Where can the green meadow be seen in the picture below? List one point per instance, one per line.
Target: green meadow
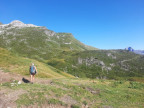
(78, 93)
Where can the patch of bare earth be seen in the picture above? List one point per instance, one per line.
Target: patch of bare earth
(68, 100)
(8, 77)
(45, 106)
(8, 98)
(43, 81)
(93, 91)
(106, 107)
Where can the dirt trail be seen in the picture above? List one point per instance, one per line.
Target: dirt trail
(8, 96)
(128, 60)
(8, 77)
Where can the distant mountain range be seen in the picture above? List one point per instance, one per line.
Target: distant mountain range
(141, 52)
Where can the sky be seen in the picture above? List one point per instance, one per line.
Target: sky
(104, 24)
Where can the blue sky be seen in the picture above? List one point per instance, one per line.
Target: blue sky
(105, 24)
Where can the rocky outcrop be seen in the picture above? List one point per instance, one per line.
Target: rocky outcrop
(111, 55)
(93, 61)
(90, 60)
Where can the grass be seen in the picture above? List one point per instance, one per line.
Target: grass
(117, 94)
(20, 65)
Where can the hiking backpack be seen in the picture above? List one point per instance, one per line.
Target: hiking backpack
(32, 69)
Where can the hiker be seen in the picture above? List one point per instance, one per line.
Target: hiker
(33, 71)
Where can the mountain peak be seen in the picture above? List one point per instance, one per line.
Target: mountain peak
(17, 22)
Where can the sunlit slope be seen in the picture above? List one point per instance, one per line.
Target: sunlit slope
(39, 42)
(20, 65)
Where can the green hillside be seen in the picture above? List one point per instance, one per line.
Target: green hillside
(111, 64)
(38, 42)
(20, 65)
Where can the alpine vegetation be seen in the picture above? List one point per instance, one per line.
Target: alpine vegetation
(63, 52)
(69, 74)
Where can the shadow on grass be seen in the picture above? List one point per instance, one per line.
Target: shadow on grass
(25, 80)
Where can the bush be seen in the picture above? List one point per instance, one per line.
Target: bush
(84, 102)
(54, 101)
(74, 106)
(136, 85)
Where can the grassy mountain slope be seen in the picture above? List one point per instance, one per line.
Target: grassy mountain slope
(39, 42)
(102, 64)
(20, 65)
(64, 52)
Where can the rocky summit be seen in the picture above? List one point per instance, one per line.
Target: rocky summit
(16, 23)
